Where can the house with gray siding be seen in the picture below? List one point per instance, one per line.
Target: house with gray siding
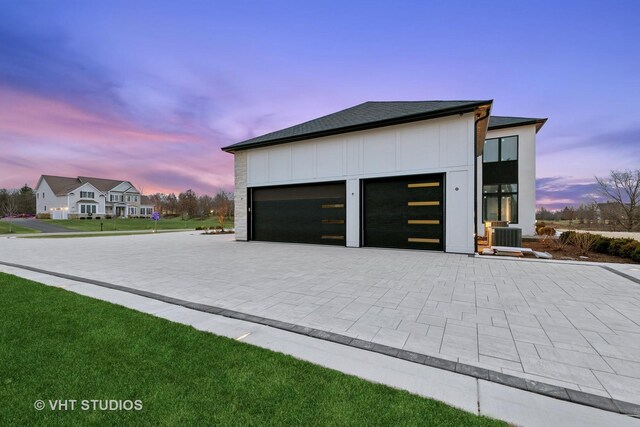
(62, 197)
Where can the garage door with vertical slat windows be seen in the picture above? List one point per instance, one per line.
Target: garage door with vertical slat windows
(313, 213)
(404, 212)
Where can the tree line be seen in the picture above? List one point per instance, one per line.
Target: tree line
(18, 201)
(191, 205)
(620, 211)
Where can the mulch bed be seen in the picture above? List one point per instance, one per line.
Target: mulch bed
(570, 252)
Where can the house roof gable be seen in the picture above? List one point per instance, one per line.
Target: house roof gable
(60, 185)
(102, 184)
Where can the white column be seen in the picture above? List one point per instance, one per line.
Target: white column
(353, 213)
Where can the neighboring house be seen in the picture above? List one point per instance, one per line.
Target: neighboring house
(419, 175)
(86, 197)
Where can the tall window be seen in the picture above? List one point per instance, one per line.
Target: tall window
(500, 202)
(500, 179)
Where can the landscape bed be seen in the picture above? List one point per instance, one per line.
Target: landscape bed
(55, 344)
(132, 224)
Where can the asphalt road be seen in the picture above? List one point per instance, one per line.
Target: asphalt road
(41, 226)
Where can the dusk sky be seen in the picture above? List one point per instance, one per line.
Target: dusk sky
(149, 90)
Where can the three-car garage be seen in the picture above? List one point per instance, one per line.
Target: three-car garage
(396, 212)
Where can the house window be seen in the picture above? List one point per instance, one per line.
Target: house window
(500, 203)
(87, 195)
(85, 209)
(135, 198)
(114, 197)
(132, 211)
(500, 149)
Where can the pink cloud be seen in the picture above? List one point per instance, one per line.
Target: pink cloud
(46, 136)
(35, 116)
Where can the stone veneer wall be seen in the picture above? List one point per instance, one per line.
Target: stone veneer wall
(240, 161)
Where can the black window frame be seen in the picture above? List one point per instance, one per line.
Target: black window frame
(498, 195)
(500, 138)
(501, 172)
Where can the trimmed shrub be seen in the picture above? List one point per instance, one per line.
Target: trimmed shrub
(602, 245)
(616, 245)
(567, 236)
(628, 249)
(636, 254)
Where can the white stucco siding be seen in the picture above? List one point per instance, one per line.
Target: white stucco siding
(526, 177)
(443, 145)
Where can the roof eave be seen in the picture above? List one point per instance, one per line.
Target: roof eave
(537, 122)
(365, 126)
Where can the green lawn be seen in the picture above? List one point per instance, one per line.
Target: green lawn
(4, 228)
(76, 235)
(131, 224)
(55, 344)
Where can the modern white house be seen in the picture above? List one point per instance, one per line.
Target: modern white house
(416, 175)
(86, 197)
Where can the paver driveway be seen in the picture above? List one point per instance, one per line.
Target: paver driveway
(575, 326)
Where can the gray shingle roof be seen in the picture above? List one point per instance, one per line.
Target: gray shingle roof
(102, 184)
(61, 185)
(363, 116)
(499, 122)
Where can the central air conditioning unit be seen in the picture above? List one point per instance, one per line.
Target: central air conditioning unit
(506, 236)
(488, 229)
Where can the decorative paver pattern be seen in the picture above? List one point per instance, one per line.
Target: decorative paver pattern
(574, 326)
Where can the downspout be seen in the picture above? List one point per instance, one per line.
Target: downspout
(475, 180)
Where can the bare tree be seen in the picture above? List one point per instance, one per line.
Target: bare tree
(623, 189)
(224, 210)
(10, 208)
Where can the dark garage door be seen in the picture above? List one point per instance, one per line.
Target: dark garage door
(299, 213)
(404, 212)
